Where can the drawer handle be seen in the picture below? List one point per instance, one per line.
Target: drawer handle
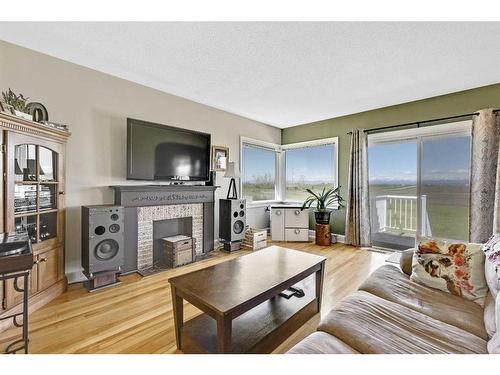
(297, 231)
(43, 260)
(278, 213)
(297, 212)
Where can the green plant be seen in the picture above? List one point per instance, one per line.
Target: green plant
(324, 199)
(18, 102)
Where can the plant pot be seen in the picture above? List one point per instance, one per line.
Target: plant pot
(23, 115)
(322, 217)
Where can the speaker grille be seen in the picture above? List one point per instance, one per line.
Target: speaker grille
(106, 249)
(238, 226)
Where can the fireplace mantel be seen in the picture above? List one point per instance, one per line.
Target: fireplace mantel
(157, 195)
(133, 197)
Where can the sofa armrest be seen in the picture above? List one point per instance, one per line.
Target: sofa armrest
(406, 260)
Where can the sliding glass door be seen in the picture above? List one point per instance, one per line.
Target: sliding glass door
(444, 186)
(392, 167)
(419, 184)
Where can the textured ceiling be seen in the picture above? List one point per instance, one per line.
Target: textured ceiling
(282, 74)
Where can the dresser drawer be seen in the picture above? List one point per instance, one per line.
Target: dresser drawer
(296, 218)
(296, 234)
(277, 224)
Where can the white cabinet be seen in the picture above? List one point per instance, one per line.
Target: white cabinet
(277, 224)
(289, 224)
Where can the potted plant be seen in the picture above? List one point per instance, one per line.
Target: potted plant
(323, 200)
(18, 102)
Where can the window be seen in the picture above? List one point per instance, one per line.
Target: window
(272, 172)
(259, 166)
(309, 166)
(419, 184)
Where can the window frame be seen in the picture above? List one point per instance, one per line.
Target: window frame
(278, 164)
(318, 142)
(280, 150)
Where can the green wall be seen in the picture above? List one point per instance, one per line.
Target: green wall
(458, 103)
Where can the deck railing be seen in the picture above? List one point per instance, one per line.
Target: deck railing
(398, 213)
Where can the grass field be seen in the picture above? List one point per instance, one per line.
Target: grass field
(265, 191)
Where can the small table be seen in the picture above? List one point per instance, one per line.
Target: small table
(242, 310)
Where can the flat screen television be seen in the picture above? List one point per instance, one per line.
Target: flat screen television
(158, 152)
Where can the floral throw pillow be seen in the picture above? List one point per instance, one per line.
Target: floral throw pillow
(492, 249)
(451, 266)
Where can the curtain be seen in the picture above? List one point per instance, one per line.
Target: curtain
(485, 176)
(357, 230)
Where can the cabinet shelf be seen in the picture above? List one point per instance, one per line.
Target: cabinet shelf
(33, 170)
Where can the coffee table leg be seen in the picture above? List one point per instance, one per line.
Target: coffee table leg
(178, 316)
(224, 334)
(319, 284)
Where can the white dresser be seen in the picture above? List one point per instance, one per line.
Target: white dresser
(289, 223)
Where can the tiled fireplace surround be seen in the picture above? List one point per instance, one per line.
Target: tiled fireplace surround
(147, 215)
(148, 209)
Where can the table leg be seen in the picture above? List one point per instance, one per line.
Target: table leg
(178, 308)
(319, 284)
(224, 334)
(25, 312)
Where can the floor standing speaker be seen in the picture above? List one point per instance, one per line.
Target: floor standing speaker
(102, 239)
(232, 219)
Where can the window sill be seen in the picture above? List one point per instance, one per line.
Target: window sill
(257, 204)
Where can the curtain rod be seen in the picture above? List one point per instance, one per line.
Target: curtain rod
(423, 121)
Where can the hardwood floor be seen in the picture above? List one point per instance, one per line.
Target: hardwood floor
(136, 316)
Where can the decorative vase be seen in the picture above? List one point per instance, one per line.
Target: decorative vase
(23, 115)
(322, 217)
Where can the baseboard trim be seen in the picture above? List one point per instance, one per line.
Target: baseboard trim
(336, 238)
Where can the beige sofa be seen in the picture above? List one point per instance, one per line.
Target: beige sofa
(391, 314)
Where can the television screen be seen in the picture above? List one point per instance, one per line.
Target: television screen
(160, 152)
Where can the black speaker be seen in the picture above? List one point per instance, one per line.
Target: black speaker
(232, 219)
(102, 239)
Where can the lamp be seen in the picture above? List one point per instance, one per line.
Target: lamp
(232, 172)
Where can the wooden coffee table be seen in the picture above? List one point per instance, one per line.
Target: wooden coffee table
(242, 312)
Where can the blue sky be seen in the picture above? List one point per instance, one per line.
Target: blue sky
(310, 164)
(307, 164)
(257, 163)
(442, 159)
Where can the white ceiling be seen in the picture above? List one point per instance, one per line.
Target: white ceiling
(282, 74)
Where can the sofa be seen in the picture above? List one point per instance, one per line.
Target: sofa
(390, 314)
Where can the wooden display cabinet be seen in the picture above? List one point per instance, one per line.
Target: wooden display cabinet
(33, 200)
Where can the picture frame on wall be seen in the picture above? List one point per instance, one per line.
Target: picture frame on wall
(220, 157)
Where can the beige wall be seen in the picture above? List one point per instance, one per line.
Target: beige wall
(95, 106)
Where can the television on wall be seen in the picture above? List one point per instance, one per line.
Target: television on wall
(158, 152)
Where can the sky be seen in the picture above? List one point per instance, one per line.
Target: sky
(396, 162)
(442, 159)
(313, 164)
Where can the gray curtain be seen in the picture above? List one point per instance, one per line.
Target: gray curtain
(357, 228)
(485, 176)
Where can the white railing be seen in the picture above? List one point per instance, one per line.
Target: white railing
(398, 213)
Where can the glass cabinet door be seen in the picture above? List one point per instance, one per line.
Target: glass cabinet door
(36, 189)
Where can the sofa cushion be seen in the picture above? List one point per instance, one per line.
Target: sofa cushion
(451, 266)
(390, 283)
(371, 324)
(490, 323)
(406, 260)
(492, 277)
(321, 343)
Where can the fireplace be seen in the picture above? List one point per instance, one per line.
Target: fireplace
(167, 220)
(157, 211)
(167, 228)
